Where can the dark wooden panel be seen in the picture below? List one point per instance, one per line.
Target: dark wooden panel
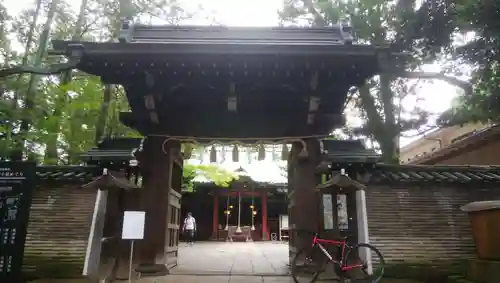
(422, 224)
(173, 228)
(58, 230)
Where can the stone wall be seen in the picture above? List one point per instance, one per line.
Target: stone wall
(58, 231)
(422, 224)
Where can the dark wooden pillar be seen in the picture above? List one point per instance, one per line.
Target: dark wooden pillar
(305, 207)
(158, 163)
(292, 211)
(265, 231)
(215, 220)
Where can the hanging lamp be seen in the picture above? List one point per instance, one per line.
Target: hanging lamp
(188, 150)
(213, 154)
(284, 152)
(303, 152)
(223, 154)
(236, 153)
(262, 152)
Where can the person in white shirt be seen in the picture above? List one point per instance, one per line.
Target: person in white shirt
(189, 228)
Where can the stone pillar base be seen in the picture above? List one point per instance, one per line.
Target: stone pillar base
(152, 270)
(215, 236)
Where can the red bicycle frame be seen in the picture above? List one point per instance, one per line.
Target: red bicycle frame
(318, 242)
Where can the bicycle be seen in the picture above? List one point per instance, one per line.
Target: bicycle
(343, 264)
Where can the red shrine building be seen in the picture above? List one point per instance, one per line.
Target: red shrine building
(247, 210)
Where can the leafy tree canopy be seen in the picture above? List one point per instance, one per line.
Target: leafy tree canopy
(211, 172)
(479, 21)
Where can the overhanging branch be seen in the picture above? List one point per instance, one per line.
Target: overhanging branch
(466, 86)
(52, 69)
(73, 52)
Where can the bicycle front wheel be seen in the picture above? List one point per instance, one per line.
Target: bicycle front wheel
(307, 265)
(364, 264)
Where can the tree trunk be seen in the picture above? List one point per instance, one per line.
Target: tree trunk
(103, 115)
(389, 142)
(30, 93)
(384, 131)
(125, 11)
(17, 151)
(51, 155)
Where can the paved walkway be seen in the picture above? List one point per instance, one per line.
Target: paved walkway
(239, 279)
(216, 258)
(216, 262)
(209, 279)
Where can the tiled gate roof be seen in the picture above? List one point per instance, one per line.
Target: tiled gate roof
(379, 174)
(425, 174)
(69, 174)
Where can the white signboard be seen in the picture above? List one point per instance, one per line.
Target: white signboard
(343, 217)
(327, 211)
(284, 222)
(133, 225)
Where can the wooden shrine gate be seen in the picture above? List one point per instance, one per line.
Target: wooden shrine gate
(174, 225)
(169, 73)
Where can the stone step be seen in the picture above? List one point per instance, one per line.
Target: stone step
(458, 279)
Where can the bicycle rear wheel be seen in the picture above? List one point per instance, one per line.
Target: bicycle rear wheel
(371, 271)
(307, 265)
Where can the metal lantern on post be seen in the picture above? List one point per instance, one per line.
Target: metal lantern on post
(227, 212)
(253, 214)
(238, 229)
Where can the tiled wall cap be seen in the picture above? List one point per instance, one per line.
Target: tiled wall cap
(481, 205)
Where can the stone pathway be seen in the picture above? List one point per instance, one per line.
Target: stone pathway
(210, 279)
(238, 279)
(216, 262)
(216, 258)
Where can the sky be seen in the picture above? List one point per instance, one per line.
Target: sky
(436, 96)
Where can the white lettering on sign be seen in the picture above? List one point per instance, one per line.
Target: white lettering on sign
(327, 212)
(5, 236)
(343, 217)
(11, 174)
(5, 189)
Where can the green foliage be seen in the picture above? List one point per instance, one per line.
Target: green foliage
(482, 52)
(211, 172)
(381, 102)
(63, 120)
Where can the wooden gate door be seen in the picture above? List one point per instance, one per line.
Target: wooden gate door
(173, 227)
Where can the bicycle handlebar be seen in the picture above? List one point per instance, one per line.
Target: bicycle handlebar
(317, 234)
(312, 233)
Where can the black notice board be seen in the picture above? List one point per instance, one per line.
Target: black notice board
(17, 181)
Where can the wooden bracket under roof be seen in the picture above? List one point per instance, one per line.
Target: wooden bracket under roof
(342, 181)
